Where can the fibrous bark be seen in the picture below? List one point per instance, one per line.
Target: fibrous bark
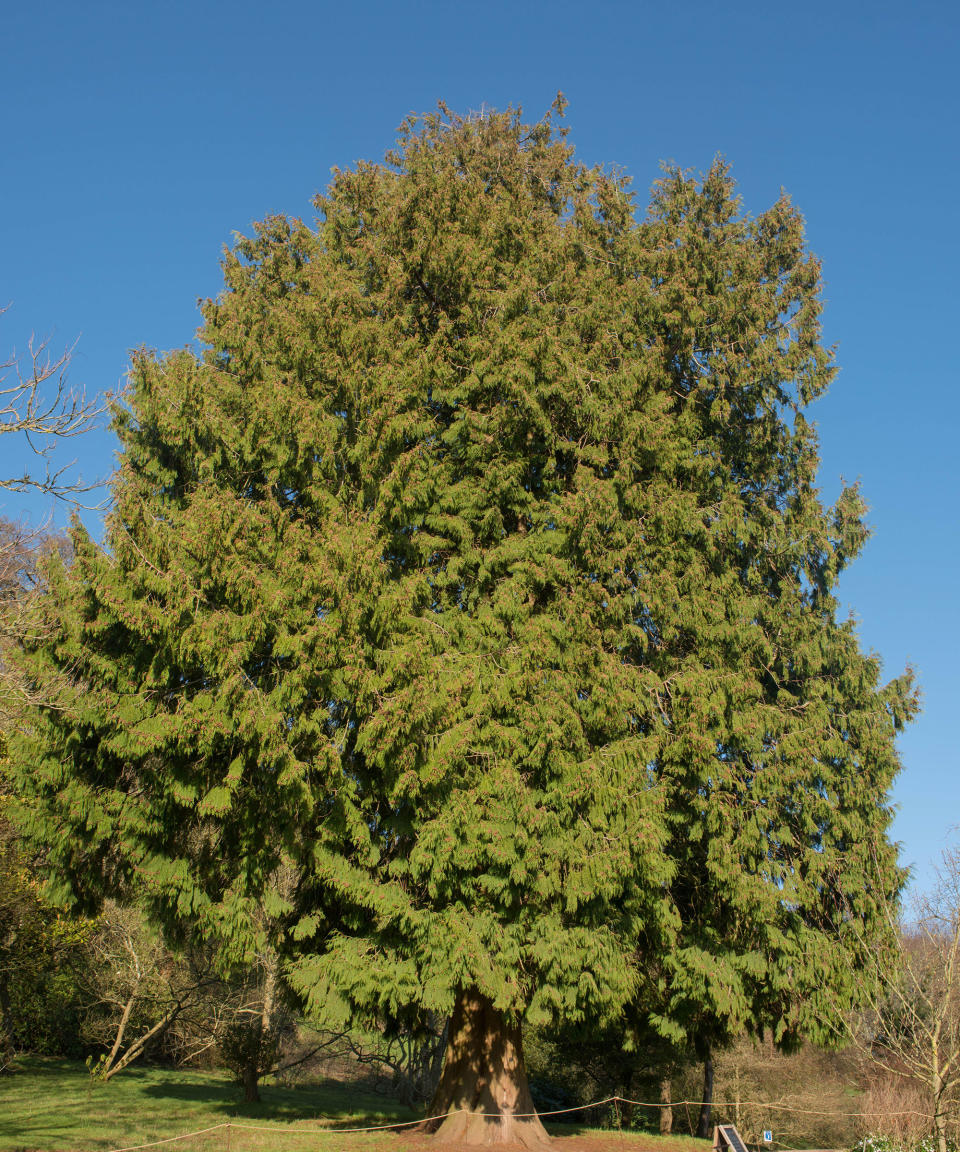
(483, 1097)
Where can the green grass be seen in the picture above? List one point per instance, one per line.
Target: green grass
(52, 1105)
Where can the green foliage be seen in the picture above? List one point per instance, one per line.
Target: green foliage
(245, 1044)
(474, 580)
(41, 948)
(580, 1066)
(781, 753)
(41, 954)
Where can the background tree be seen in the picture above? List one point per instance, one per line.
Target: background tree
(42, 953)
(41, 950)
(38, 410)
(251, 1034)
(135, 989)
(912, 1028)
(22, 549)
(477, 553)
(39, 407)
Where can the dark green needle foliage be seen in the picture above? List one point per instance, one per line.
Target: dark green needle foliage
(781, 751)
(474, 578)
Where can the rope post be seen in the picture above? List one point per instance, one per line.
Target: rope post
(229, 1126)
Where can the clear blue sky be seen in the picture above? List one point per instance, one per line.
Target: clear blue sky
(137, 137)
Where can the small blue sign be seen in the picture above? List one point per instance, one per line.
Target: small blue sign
(767, 1136)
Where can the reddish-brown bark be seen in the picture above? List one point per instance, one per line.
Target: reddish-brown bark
(483, 1097)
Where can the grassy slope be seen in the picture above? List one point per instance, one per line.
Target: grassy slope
(52, 1106)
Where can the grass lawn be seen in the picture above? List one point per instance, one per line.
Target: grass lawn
(53, 1106)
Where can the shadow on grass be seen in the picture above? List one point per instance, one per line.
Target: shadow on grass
(677, 1142)
(333, 1102)
(584, 1128)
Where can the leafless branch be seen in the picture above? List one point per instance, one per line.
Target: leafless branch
(38, 404)
(913, 1029)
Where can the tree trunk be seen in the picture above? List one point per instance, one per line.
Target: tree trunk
(114, 1064)
(483, 1097)
(104, 1070)
(666, 1110)
(6, 1016)
(940, 1123)
(626, 1114)
(251, 1082)
(271, 987)
(265, 1027)
(939, 1115)
(706, 1105)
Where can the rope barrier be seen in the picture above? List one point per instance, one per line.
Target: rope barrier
(748, 1104)
(172, 1139)
(769, 1106)
(336, 1131)
(288, 1131)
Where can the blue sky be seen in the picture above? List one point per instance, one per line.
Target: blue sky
(137, 138)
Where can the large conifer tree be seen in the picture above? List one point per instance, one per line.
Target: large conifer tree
(474, 577)
(780, 757)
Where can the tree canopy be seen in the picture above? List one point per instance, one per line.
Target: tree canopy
(474, 580)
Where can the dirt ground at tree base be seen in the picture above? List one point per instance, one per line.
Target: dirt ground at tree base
(607, 1141)
(577, 1141)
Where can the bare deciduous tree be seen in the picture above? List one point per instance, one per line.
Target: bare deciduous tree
(137, 989)
(21, 550)
(40, 409)
(38, 405)
(913, 1029)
